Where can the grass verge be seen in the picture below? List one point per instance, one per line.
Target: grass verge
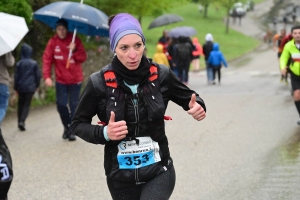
(232, 45)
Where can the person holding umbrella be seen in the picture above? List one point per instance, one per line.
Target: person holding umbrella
(130, 97)
(68, 79)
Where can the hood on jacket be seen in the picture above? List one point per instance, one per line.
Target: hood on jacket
(26, 51)
(216, 47)
(159, 48)
(195, 40)
(209, 37)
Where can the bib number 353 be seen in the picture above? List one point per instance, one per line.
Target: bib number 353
(132, 156)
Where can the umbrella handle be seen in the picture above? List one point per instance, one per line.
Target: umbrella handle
(70, 52)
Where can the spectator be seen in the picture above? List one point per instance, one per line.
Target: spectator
(159, 57)
(207, 48)
(215, 60)
(27, 81)
(163, 40)
(198, 51)
(6, 60)
(68, 80)
(183, 57)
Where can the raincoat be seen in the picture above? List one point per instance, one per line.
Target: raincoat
(198, 48)
(159, 56)
(27, 73)
(216, 57)
(57, 53)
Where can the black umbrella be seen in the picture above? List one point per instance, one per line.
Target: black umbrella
(164, 20)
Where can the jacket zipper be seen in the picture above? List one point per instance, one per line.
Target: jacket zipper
(136, 113)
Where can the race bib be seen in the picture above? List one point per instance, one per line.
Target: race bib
(133, 156)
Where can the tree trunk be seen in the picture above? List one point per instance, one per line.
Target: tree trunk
(140, 19)
(205, 10)
(227, 21)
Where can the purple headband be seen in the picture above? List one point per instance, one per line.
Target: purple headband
(121, 25)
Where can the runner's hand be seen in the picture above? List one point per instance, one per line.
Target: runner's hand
(284, 71)
(196, 110)
(116, 130)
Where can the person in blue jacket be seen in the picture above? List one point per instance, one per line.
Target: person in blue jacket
(27, 81)
(215, 60)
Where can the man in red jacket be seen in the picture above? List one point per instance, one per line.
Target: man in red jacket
(68, 79)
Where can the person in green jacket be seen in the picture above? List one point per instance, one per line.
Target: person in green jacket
(290, 60)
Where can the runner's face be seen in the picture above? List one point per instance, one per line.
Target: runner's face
(61, 31)
(296, 35)
(130, 50)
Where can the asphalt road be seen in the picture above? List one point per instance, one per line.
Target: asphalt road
(246, 148)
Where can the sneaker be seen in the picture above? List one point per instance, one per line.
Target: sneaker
(21, 126)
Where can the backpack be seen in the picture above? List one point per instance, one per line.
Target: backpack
(183, 51)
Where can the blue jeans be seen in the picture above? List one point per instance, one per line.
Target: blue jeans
(209, 72)
(67, 96)
(4, 95)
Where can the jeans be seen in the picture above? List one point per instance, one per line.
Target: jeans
(67, 96)
(183, 70)
(4, 95)
(209, 72)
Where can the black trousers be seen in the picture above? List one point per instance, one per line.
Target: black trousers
(218, 71)
(24, 106)
(159, 188)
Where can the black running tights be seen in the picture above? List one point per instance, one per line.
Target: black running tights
(159, 188)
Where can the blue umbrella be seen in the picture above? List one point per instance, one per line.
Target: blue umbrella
(81, 17)
(185, 31)
(84, 18)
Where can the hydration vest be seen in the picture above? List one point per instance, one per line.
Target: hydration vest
(150, 98)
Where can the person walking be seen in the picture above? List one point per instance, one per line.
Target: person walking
(171, 55)
(130, 97)
(290, 61)
(163, 40)
(159, 57)
(68, 80)
(276, 45)
(285, 21)
(197, 53)
(183, 57)
(27, 81)
(207, 48)
(6, 60)
(215, 60)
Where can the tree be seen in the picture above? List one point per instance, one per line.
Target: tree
(205, 4)
(152, 8)
(227, 4)
(17, 7)
(135, 7)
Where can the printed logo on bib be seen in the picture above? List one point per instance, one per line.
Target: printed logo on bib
(133, 156)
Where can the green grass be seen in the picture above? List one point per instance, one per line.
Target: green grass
(232, 45)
